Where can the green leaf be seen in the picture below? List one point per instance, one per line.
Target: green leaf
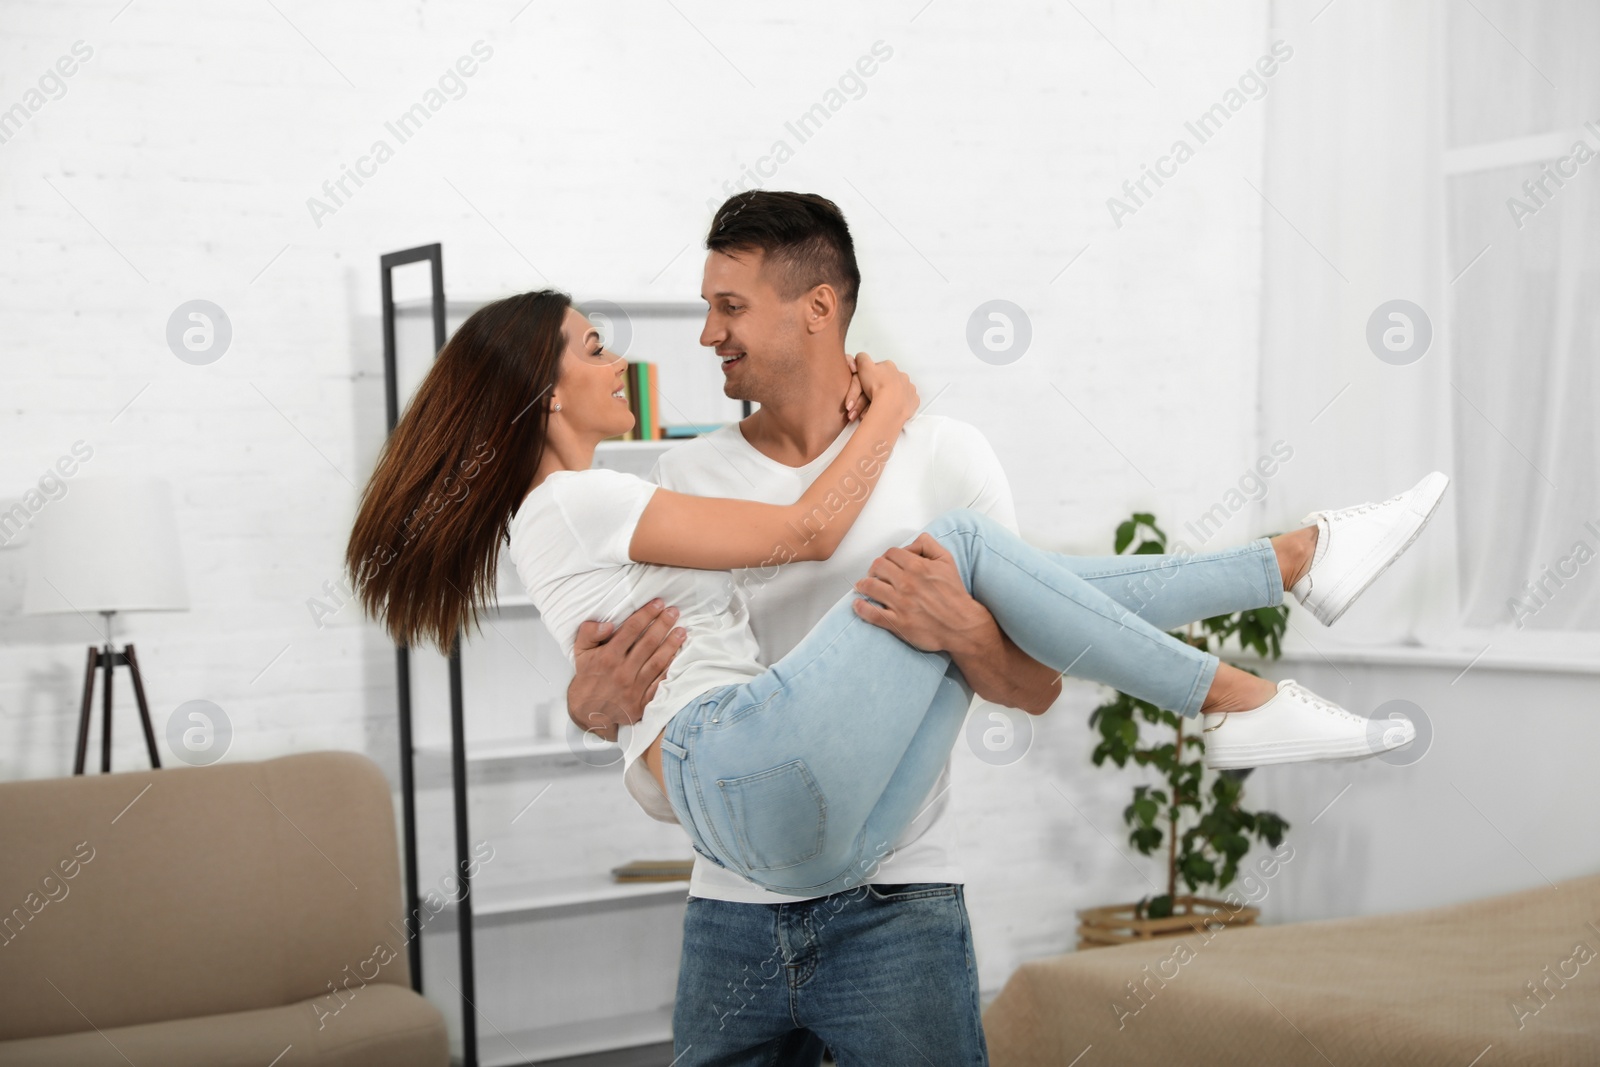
(1226, 875)
(1270, 828)
(1197, 870)
(1233, 846)
(1142, 812)
(1226, 790)
(1124, 535)
(1147, 839)
(1163, 757)
(1214, 832)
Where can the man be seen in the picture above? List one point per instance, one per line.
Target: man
(882, 974)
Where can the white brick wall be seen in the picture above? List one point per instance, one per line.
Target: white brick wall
(976, 165)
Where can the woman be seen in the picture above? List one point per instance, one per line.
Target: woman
(769, 771)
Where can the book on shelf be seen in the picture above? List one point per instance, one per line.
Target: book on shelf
(642, 397)
(642, 386)
(652, 393)
(689, 429)
(638, 384)
(653, 871)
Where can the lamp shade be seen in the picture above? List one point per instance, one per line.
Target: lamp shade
(108, 544)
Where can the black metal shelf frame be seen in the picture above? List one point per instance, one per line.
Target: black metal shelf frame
(433, 255)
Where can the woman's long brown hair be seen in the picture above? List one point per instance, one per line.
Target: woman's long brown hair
(425, 547)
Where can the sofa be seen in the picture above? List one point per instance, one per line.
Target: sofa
(238, 915)
(1512, 979)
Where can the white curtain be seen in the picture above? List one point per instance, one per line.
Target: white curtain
(1526, 315)
(1392, 152)
(1353, 220)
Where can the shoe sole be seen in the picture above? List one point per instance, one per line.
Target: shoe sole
(1431, 493)
(1274, 752)
(1352, 759)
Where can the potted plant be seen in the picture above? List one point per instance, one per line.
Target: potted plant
(1195, 817)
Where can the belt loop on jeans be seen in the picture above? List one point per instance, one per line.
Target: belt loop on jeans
(668, 745)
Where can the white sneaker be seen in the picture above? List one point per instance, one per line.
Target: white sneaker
(1356, 544)
(1297, 726)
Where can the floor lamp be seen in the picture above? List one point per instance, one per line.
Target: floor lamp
(107, 545)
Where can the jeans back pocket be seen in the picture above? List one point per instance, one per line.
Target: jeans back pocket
(779, 816)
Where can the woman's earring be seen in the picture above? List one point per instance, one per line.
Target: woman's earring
(555, 407)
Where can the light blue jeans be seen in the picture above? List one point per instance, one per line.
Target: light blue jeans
(801, 778)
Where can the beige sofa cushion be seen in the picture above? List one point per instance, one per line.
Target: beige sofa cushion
(146, 897)
(1436, 988)
(384, 1026)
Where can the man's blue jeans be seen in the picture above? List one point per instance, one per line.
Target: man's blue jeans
(884, 975)
(799, 779)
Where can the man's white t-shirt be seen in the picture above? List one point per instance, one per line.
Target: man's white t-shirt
(938, 464)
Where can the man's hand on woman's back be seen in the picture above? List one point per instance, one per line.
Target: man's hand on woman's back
(617, 670)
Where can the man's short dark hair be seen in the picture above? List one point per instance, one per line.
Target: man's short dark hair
(803, 235)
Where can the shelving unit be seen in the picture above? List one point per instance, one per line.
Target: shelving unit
(534, 922)
(571, 894)
(537, 940)
(585, 1036)
(545, 918)
(500, 751)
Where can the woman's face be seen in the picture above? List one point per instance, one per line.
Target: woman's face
(590, 389)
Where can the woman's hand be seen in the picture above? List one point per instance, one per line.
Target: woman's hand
(854, 402)
(886, 387)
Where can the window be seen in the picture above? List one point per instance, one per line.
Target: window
(1522, 209)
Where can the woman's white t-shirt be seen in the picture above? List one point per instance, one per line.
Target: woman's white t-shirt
(569, 542)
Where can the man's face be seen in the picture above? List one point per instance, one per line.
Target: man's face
(757, 334)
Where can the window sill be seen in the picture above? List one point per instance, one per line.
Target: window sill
(1561, 654)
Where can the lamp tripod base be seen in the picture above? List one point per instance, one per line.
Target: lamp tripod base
(108, 659)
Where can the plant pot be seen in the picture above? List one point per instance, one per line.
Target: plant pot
(1116, 924)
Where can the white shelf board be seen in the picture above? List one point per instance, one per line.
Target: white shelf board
(1411, 656)
(576, 891)
(631, 446)
(573, 1039)
(470, 302)
(503, 749)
